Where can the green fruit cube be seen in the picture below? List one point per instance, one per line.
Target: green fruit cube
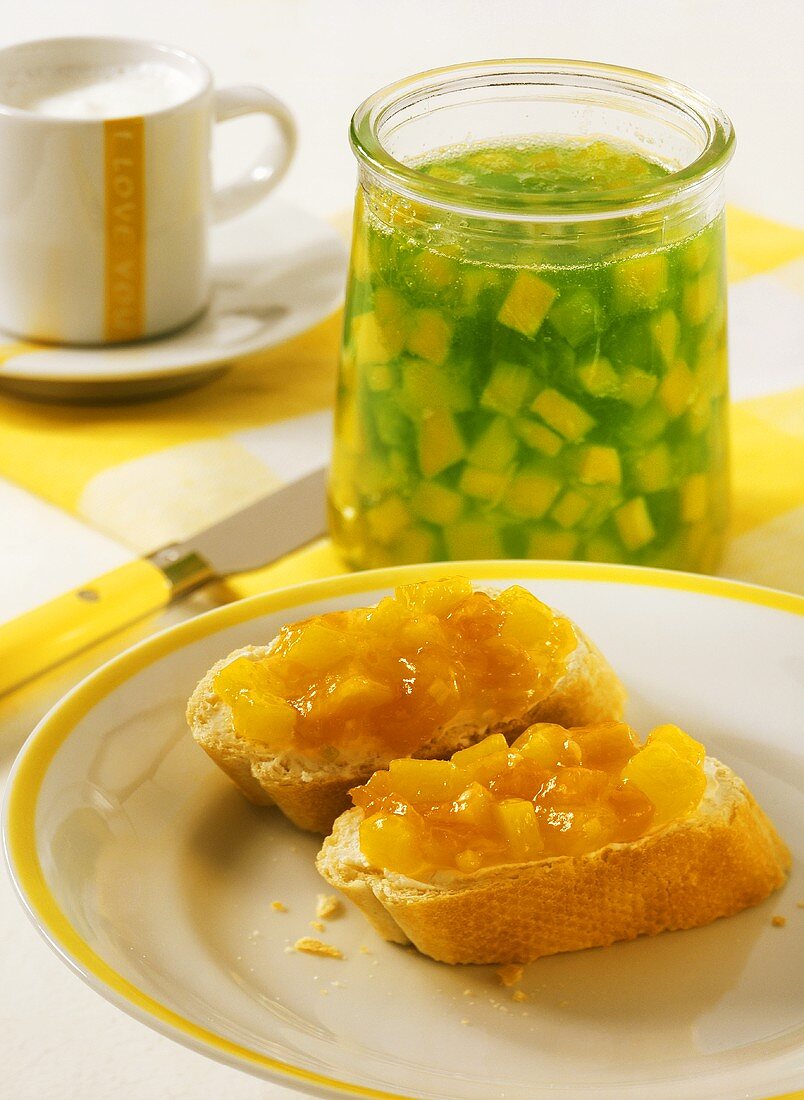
(599, 466)
(436, 504)
(569, 419)
(507, 389)
(392, 426)
(496, 447)
(571, 509)
(530, 494)
(527, 304)
(646, 425)
(599, 378)
(473, 539)
(640, 282)
(429, 337)
(539, 438)
(634, 524)
(440, 443)
(577, 316)
(653, 469)
(427, 388)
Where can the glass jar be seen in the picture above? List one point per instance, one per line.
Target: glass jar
(532, 374)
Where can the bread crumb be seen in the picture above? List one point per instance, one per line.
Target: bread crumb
(365, 950)
(510, 974)
(328, 906)
(278, 907)
(519, 995)
(310, 946)
(778, 922)
(468, 993)
(324, 992)
(318, 926)
(465, 1022)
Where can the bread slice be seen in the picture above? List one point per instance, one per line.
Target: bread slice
(312, 794)
(721, 858)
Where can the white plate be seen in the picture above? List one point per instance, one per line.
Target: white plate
(152, 877)
(276, 271)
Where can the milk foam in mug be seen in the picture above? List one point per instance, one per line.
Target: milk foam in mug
(105, 186)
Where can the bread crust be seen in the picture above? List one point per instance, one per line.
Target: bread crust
(312, 794)
(722, 858)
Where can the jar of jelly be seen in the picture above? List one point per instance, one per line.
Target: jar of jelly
(534, 347)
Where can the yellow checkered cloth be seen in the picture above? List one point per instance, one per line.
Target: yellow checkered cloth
(151, 473)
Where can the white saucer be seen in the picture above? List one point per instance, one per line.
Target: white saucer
(276, 271)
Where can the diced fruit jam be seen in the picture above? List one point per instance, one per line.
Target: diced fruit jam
(554, 792)
(381, 680)
(496, 403)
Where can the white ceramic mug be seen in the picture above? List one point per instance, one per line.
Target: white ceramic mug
(105, 186)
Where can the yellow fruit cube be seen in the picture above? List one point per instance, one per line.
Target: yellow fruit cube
(267, 719)
(427, 389)
(599, 378)
(601, 548)
(696, 253)
(436, 270)
(440, 443)
(538, 437)
(634, 524)
(496, 447)
(380, 378)
(436, 504)
(694, 498)
(316, 645)
(355, 695)
(640, 282)
(678, 388)
(653, 469)
(527, 304)
(552, 545)
(388, 519)
(483, 484)
(686, 747)
(466, 759)
(570, 509)
(372, 342)
(507, 388)
(472, 539)
(543, 743)
(599, 466)
(474, 808)
(527, 620)
(674, 785)
(415, 545)
(569, 419)
(700, 298)
(435, 597)
(429, 336)
(519, 827)
(393, 841)
(425, 780)
(665, 330)
(637, 387)
(530, 494)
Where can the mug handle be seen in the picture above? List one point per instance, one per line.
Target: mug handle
(268, 169)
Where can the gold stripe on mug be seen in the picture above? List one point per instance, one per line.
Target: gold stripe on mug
(124, 228)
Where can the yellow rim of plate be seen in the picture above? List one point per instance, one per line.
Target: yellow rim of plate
(41, 747)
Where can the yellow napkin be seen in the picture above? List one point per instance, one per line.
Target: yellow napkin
(151, 472)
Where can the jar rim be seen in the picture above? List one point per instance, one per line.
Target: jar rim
(408, 180)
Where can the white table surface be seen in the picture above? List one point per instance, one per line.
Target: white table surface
(58, 1039)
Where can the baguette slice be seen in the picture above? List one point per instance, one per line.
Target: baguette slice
(312, 794)
(721, 858)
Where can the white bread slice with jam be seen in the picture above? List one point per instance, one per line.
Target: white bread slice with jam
(717, 860)
(312, 791)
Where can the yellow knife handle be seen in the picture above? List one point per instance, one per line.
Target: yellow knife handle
(50, 634)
